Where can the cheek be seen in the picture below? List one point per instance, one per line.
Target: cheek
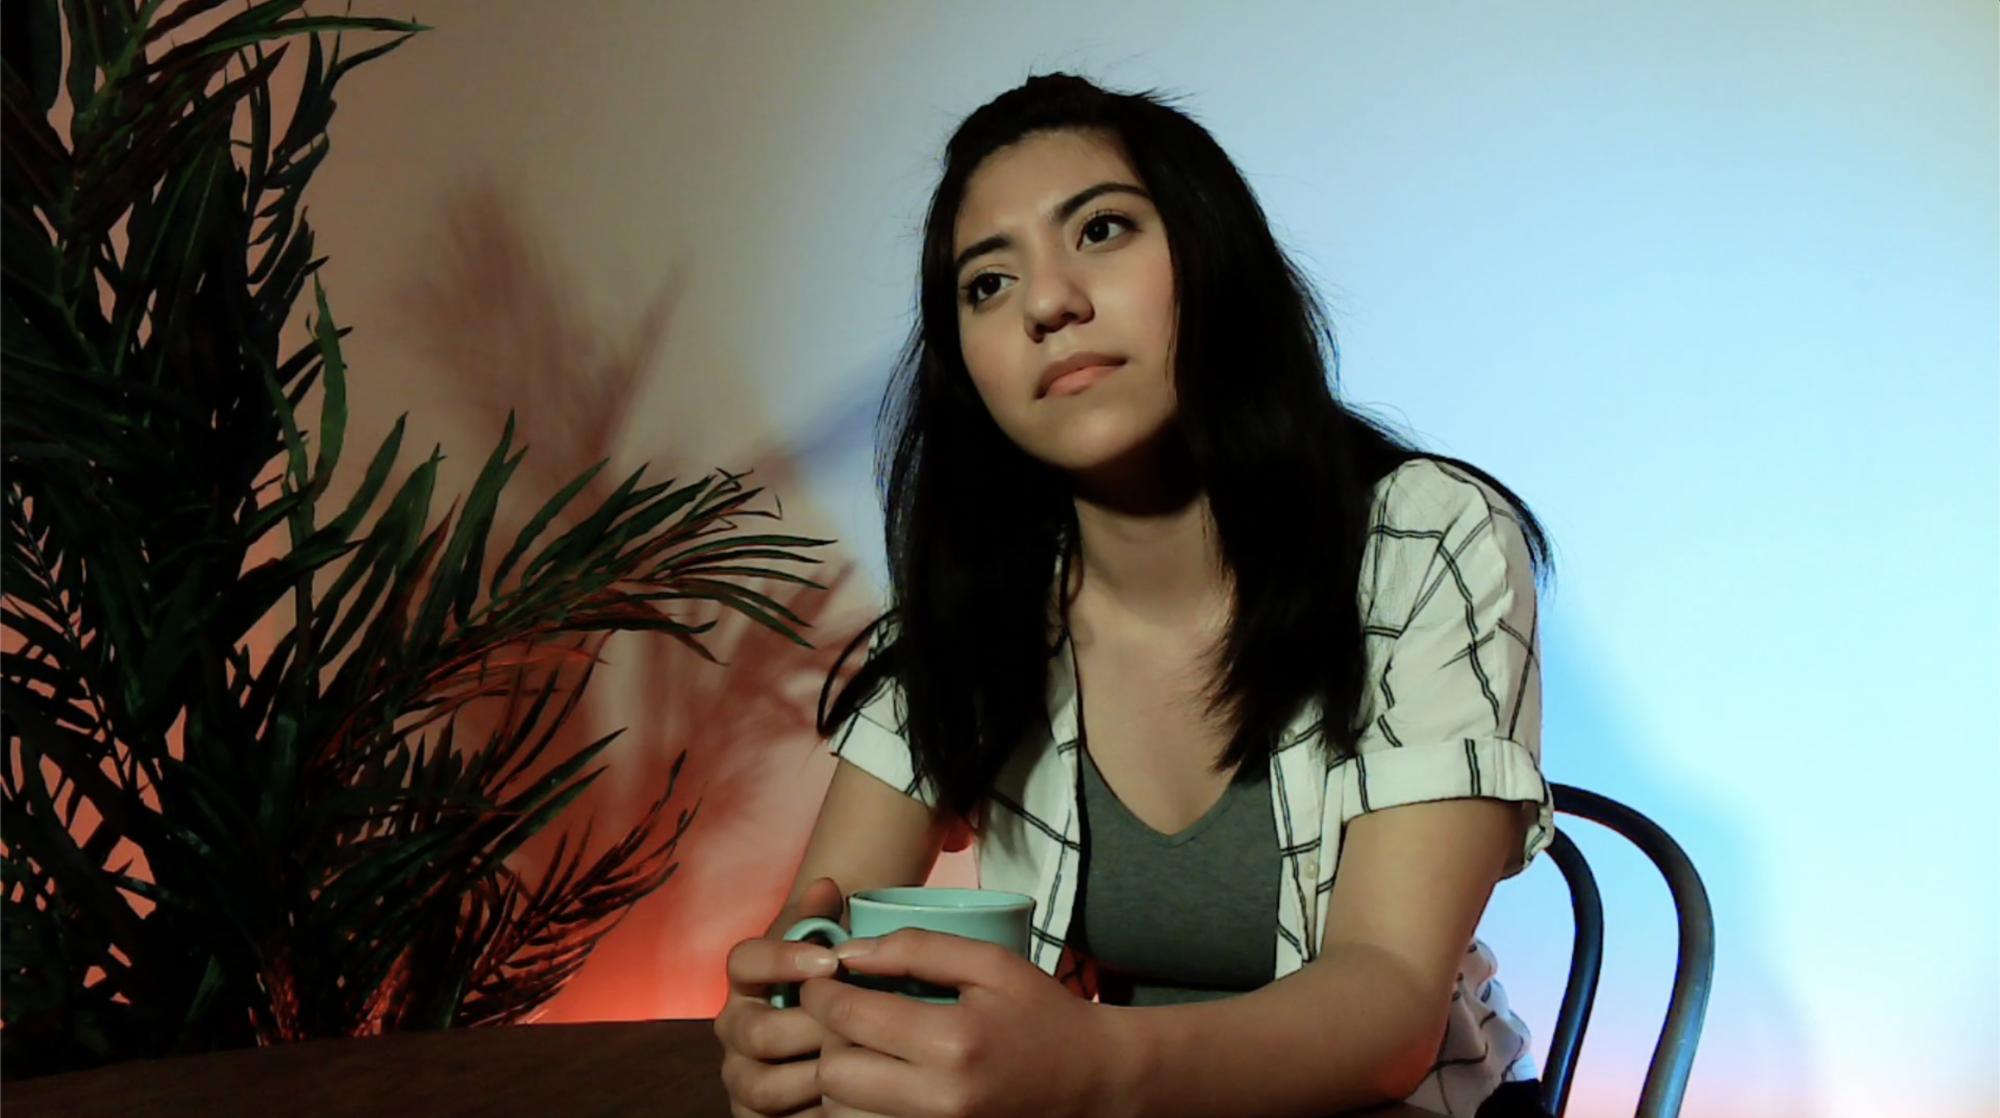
(990, 377)
(1161, 307)
(987, 390)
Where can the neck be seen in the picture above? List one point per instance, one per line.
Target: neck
(1148, 553)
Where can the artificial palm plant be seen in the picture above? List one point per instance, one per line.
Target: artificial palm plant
(208, 842)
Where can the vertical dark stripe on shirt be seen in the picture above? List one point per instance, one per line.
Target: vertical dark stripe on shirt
(1472, 630)
(1528, 664)
(1382, 724)
(1298, 888)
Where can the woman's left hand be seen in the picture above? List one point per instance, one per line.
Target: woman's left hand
(1017, 1042)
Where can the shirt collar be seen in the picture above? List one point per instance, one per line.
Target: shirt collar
(1062, 692)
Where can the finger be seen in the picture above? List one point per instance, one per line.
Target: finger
(893, 1024)
(859, 1081)
(750, 1026)
(770, 1089)
(935, 957)
(830, 1107)
(777, 1034)
(754, 965)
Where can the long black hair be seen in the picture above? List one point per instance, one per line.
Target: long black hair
(976, 528)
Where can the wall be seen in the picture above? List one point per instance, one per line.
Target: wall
(1712, 284)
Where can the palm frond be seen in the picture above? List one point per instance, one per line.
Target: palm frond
(204, 843)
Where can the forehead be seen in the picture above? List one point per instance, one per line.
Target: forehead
(1018, 184)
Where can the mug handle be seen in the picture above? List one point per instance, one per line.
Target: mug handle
(785, 995)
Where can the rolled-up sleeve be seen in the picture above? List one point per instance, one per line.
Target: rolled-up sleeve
(1454, 706)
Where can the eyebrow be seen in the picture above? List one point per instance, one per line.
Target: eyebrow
(1063, 212)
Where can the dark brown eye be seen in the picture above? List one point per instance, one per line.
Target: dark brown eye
(1097, 220)
(970, 292)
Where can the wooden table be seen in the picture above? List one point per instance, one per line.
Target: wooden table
(660, 1069)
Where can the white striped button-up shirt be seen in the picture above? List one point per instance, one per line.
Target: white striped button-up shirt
(1452, 710)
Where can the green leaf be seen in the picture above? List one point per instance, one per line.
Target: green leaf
(457, 578)
(333, 410)
(33, 49)
(569, 550)
(540, 521)
(728, 544)
(754, 572)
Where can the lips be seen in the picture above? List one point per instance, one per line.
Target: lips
(1075, 373)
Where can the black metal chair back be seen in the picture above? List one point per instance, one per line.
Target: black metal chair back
(1694, 966)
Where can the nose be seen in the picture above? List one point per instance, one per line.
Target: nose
(1053, 299)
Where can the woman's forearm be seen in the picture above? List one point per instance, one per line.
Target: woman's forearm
(1349, 1030)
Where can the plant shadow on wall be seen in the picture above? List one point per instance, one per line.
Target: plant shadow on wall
(208, 843)
(491, 306)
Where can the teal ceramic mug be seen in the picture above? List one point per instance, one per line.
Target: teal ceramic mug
(982, 914)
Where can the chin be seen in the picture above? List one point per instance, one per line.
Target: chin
(1092, 444)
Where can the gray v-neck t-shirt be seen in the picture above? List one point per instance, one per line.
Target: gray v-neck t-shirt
(1178, 918)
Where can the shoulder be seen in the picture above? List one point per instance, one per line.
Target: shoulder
(1425, 493)
(869, 690)
(1432, 519)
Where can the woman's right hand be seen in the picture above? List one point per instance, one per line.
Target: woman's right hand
(770, 1057)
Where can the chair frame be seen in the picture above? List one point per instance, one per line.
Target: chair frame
(1694, 964)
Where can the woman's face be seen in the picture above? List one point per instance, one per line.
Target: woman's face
(1060, 253)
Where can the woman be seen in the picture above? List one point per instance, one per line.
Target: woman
(1310, 749)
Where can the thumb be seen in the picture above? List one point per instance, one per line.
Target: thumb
(822, 898)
